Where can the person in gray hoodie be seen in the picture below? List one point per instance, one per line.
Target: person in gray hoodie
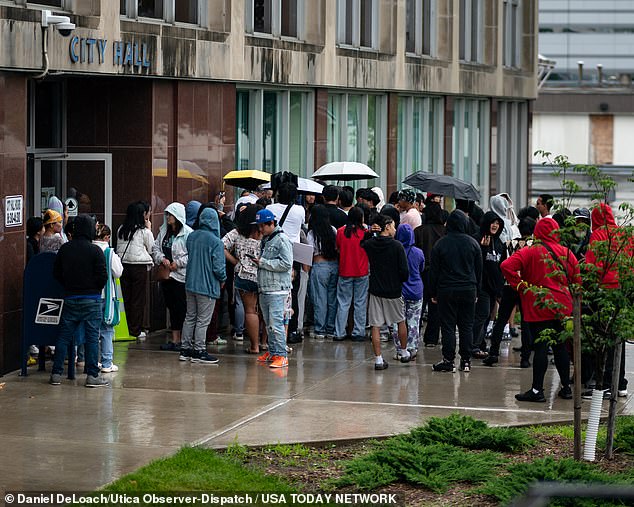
(205, 276)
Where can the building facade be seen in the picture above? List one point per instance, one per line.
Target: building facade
(158, 99)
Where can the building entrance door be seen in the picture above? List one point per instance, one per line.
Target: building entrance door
(82, 180)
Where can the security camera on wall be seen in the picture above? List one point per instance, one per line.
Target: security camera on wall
(62, 23)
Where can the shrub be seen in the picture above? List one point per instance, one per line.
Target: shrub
(465, 431)
(434, 467)
(522, 475)
(624, 438)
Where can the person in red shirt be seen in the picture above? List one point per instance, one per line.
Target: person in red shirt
(352, 286)
(533, 267)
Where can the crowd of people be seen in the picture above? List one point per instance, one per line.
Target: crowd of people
(324, 262)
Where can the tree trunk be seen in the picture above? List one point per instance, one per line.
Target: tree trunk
(616, 373)
(576, 347)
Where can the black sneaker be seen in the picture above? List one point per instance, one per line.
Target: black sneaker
(513, 332)
(444, 365)
(295, 337)
(525, 363)
(185, 355)
(338, 338)
(381, 366)
(204, 358)
(531, 395)
(479, 354)
(465, 365)
(490, 361)
(565, 393)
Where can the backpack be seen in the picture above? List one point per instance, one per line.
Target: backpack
(111, 314)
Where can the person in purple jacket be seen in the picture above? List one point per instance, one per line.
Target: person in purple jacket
(412, 290)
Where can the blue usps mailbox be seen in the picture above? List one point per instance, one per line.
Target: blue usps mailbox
(43, 302)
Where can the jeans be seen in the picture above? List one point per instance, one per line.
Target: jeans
(323, 289)
(272, 307)
(351, 290)
(106, 341)
(456, 307)
(76, 311)
(238, 322)
(199, 311)
(540, 357)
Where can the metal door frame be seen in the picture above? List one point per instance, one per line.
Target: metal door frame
(106, 158)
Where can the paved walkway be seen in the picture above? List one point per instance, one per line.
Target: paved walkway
(69, 437)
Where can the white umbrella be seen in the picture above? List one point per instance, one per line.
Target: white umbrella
(344, 171)
(304, 185)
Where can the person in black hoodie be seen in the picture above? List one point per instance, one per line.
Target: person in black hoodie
(456, 274)
(388, 272)
(493, 253)
(427, 235)
(80, 267)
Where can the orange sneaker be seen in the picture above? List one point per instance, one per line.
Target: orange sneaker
(265, 357)
(279, 362)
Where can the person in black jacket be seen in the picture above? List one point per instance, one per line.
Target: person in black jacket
(388, 272)
(456, 274)
(493, 253)
(337, 217)
(80, 267)
(427, 235)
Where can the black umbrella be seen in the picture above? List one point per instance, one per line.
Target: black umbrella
(441, 184)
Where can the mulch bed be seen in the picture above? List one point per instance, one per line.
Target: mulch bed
(310, 470)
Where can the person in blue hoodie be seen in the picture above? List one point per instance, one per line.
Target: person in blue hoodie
(412, 290)
(205, 275)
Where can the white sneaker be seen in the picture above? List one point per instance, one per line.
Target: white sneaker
(111, 369)
(238, 337)
(142, 335)
(219, 341)
(622, 393)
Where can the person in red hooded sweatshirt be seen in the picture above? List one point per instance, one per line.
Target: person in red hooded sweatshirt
(605, 233)
(533, 266)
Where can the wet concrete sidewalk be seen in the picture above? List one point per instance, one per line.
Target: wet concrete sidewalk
(71, 438)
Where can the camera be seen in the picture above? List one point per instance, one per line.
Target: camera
(62, 23)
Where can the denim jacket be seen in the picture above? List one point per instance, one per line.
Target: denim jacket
(276, 262)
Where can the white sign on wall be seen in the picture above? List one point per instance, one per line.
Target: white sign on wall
(13, 205)
(49, 311)
(72, 206)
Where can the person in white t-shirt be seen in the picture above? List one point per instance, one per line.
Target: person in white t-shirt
(286, 196)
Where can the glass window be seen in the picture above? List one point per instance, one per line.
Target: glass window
(289, 18)
(186, 11)
(123, 7)
(242, 120)
(471, 32)
(274, 130)
(410, 26)
(52, 3)
(151, 9)
(420, 140)
(471, 143)
(269, 153)
(363, 136)
(357, 22)
(49, 114)
(512, 33)
(262, 16)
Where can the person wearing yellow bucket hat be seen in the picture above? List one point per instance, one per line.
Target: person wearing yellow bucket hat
(51, 240)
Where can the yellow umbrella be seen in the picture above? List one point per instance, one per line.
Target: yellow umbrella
(249, 179)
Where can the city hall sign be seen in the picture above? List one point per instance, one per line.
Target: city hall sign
(91, 50)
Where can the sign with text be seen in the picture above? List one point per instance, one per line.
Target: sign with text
(71, 205)
(49, 311)
(92, 50)
(13, 205)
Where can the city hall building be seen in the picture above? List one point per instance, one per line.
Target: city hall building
(158, 99)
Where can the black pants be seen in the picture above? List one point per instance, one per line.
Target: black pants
(588, 363)
(134, 287)
(540, 359)
(176, 302)
(510, 298)
(432, 329)
(456, 307)
(293, 324)
(483, 309)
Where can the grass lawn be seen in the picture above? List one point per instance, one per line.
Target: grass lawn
(448, 461)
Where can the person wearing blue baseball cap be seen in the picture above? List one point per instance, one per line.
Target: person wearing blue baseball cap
(274, 283)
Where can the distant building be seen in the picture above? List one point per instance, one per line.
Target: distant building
(158, 99)
(586, 108)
